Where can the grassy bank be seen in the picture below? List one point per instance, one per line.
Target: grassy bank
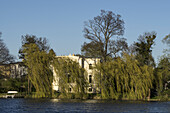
(2, 94)
(84, 97)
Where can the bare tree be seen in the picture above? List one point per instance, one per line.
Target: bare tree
(100, 30)
(5, 56)
(116, 47)
(166, 40)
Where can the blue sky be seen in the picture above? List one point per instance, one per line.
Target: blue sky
(62, 21)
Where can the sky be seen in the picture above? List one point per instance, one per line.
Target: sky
(62, 21)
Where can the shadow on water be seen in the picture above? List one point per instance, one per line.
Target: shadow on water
(91, 106)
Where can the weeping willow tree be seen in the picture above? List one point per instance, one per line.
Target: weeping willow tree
(162, 75)
(124, 78)
(39, 72)
(71, 77)
(162, 71)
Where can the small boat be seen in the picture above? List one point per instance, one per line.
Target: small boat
(11, 94)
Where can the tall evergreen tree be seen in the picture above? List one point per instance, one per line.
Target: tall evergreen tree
(144, 48)
(42, 43)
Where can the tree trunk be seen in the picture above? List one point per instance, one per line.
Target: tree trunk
(28, 86)
(149, 94)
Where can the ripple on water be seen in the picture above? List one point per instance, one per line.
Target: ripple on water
(70, 106)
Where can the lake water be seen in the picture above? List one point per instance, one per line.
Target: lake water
(72, 106)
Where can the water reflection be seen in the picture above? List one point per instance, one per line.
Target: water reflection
(92, 106)
(55, 100)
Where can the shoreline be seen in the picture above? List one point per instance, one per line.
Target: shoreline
(150, 100)
(2, 96)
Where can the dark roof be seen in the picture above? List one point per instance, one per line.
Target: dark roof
(12, 63)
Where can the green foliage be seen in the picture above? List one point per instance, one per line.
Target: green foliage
(162, 75)
(70, 75)
(164, 67)
(164, 96)
(124, 78)
(37, 59)
(42, 44)
(144, 48)
(92, 49)
(11, 84)
(39, 72)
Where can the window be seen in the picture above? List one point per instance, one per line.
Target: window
(90, 66)
(69, 77)
(69, 89)
(90, 79)
(90, 89)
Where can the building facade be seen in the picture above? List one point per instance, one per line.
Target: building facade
(13, 70)
(18, 70)
(87, 63)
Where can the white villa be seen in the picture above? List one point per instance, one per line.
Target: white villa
(18, 70)
(87, 63)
